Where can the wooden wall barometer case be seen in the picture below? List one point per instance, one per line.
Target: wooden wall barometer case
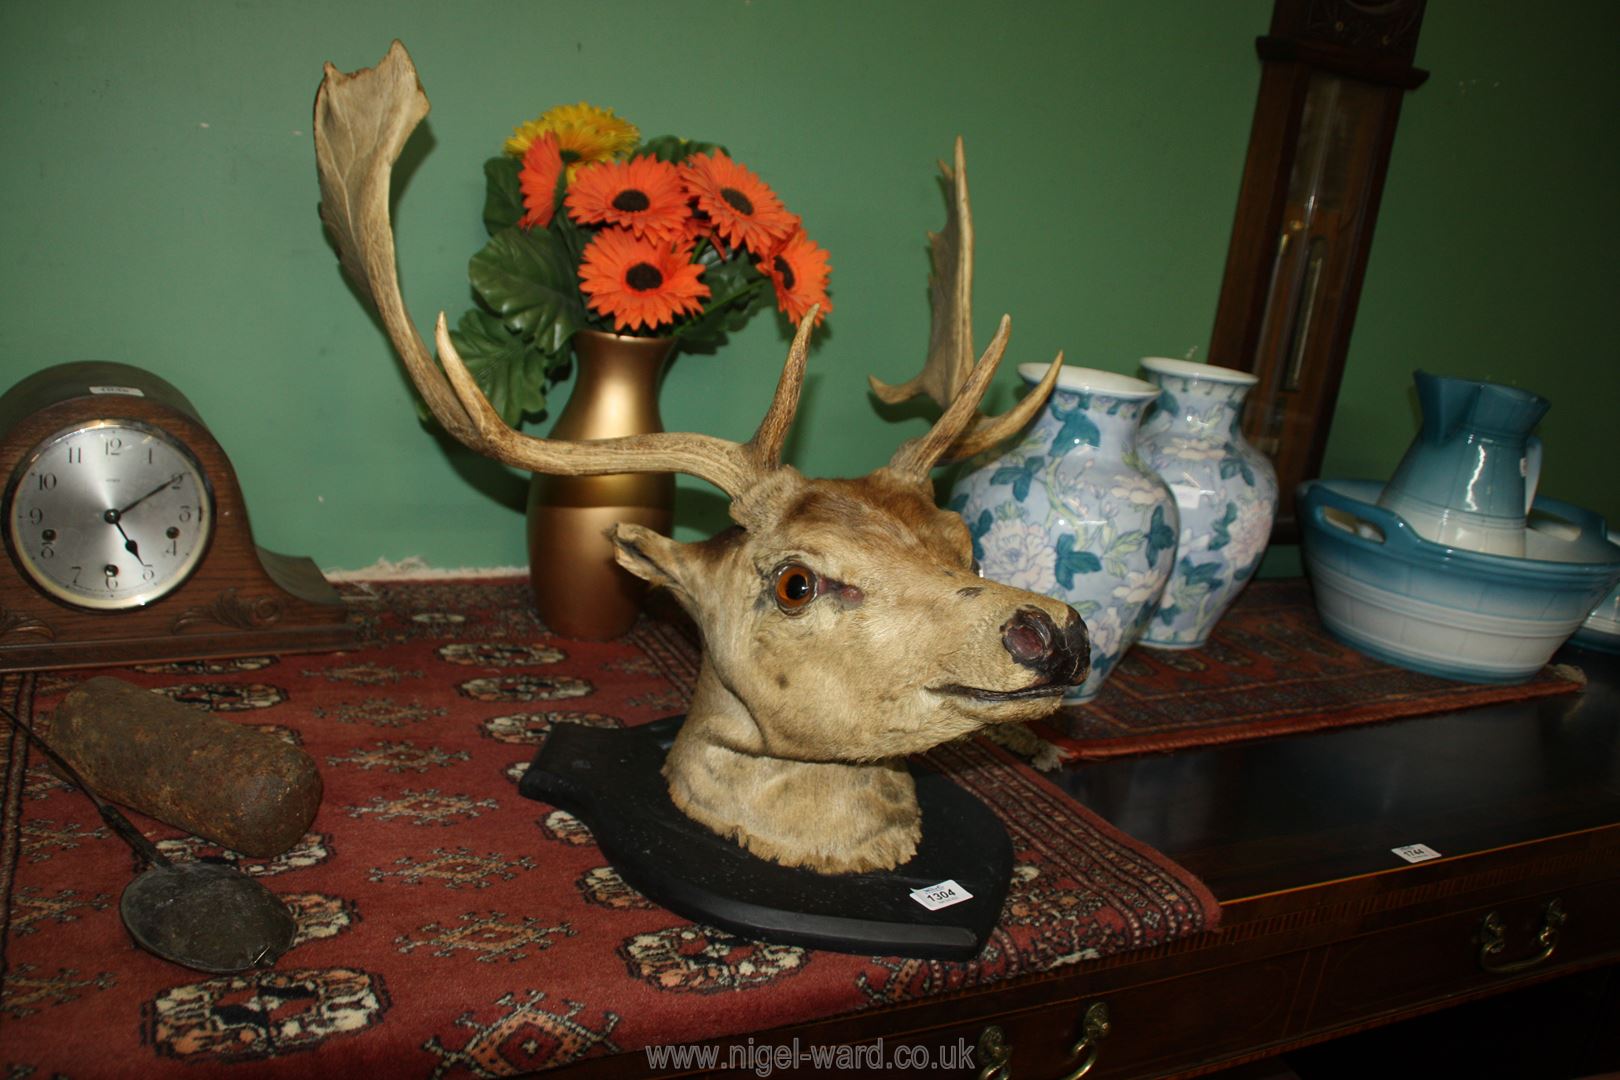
(126, 537)
(1334, 73)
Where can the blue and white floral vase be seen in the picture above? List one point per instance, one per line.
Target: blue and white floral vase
(1225, 489)
(1072, 511)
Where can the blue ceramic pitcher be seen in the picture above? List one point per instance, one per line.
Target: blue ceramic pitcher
(1469, 477)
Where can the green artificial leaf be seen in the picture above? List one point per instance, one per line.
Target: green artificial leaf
(731, 282)
(511, 374)
(573, 236)
(528, 278)
(736, 291)
(503, 194)
(673, 148)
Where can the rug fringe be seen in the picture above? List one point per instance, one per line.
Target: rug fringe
(1569, 671)
(416, 568)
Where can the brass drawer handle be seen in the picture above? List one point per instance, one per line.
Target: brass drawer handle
(1493, 939)
(996, 1053)
(1093, 1030)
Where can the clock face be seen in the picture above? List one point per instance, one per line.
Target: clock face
(109, 515)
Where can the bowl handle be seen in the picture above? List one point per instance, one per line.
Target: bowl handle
(1584, 520)
(1317, 499)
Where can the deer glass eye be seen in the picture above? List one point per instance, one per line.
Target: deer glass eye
(795, 587)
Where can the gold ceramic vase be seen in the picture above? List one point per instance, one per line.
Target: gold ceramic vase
(579, 590)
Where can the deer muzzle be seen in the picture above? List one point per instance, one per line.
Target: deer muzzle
(1059, 655)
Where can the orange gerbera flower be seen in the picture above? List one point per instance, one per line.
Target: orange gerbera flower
(638, 283)
(798, 270)
(743, 211)
(542, 165)
(643, 195)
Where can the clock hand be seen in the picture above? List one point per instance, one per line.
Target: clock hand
(129, 545)
(143, 498)
(115, 518)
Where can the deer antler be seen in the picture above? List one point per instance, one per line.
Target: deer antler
(729, 466)
(949, 375)
(362, 121)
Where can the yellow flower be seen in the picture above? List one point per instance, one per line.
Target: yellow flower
(585, 134)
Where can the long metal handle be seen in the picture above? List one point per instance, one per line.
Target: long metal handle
(1493, 940)
(1093, 1030)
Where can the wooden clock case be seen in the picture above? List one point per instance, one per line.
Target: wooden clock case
(240, 600)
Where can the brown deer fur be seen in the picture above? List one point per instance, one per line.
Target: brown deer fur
(795, 739)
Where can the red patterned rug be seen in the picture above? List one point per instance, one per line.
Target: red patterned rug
(1270, 668)
(449, 927)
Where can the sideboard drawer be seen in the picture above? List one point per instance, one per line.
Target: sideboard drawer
(1150, 1029)
(1445, 957)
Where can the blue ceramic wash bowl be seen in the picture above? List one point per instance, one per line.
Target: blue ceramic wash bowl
(1601, 630)
(1467, 615)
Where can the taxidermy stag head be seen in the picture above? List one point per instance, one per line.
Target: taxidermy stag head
(844, 623)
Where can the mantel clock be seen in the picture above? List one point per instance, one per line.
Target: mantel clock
(126, 537)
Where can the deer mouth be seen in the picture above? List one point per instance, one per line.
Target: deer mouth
(977, 693)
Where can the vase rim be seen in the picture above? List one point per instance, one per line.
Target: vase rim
(1079, 380)
(1193, 369)
(625, 337)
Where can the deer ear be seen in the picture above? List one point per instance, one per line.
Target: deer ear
(654, 558)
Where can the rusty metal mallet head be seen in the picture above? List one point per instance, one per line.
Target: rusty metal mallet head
(205, 916)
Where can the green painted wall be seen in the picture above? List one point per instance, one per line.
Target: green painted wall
(158, 207)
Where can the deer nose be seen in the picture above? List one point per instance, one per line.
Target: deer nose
(1035, 641)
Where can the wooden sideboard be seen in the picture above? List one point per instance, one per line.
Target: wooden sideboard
(1325, 930)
